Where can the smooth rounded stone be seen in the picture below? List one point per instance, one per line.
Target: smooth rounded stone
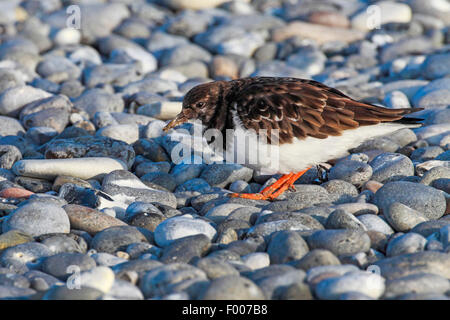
(229, 39)
(141, 207)
(147, 220)
(183, 172)
(433, 133)
(151, 85)
(10, 126)
(96, 100)
(63, 265)
(368, 283)
(340, 219)
(13, 238)
(99, 278)
(427, 153)
(223, 66)
(407, 243)
(216, 268)
(436, 173)
(285, 246)
(375, 223)
(436, 66)
(378, 144)
(57, 69)
(59, 244)
(390, 166)
(41, 281)
(232, 288)
(160, 280)
(161, 179)
(340, 191)
(266, 229)
(38, 218)
(356, 209)
(128, 133)
(427, 200)
(106, 259)
(11, 292)
(139, 266)
(62, 292)
(244, 213)
(219, 213)
(83, 168)
(186, 249)
(123, 290)
(197, 185)
(62, 180)
(415, 263)
(179, 227)
(164, 110)
(320, 33)
(89, 220)
(445, 156)
(434, 95)
(221, 175)
(14, 99)
(147, 167)
(40, 135)
(14, 280)
(117, 238)
(427, 228)
(256, 260)
(296, 291)
(184, 54)
(305, 219)
(194, 5)
(146, 62)
(442, 184)
(23, 256)
(125, 188)
(272, 285)
(402, 218)
(388, 12)
(421, 283)
(34, 185)
(305, 196)
(309, 60)
(315, 258)
(396, 100)
(340, 242)
(8, 156)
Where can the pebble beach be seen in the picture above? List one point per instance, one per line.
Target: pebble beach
(94, 205)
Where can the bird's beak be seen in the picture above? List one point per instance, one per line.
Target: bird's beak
(179, 119)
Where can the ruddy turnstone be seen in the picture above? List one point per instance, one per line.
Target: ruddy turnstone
(315, 123)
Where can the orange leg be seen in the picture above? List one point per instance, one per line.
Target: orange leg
(273, 191)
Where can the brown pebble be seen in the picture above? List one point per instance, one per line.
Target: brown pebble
(372, 185)
(15, 193)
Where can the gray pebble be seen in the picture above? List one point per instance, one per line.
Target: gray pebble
(427, 200)
(340, 242)
(408, 243)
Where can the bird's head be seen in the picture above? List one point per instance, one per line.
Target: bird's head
(198, 104)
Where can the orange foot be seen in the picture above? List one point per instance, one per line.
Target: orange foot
(274, 190)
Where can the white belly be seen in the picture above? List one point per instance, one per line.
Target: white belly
(246, 149)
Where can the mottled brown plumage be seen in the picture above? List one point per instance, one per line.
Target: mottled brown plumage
(299, 108)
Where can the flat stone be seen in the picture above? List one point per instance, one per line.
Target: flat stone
(14, 99)
(391, 166)
(315, 258)
(186, 249)
(59, 265)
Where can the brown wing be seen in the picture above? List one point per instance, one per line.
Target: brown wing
(301, 108)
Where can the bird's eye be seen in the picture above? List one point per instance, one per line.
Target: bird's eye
(200, 104)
